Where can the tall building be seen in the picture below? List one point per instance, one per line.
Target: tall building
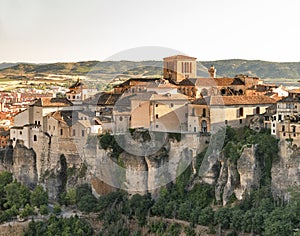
(180, 67)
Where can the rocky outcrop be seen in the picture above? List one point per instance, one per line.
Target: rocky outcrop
(286, 170)
(249, 172)
(141, 174)
(24, 165)
(231, 179)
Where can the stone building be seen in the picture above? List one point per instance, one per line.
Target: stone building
(4, 138)
(30, 122)
(79, 92)
(180, 67)
(286, 121)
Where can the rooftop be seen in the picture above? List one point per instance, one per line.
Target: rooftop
(52, 102)
(180, 57)
(240, 100)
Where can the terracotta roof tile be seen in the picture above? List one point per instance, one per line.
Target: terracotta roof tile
(240, 100)
(52, 102)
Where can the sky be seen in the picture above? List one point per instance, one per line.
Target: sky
(44, 31)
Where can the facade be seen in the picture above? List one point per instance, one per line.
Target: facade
(285, 122)
(233, 110)
(4, 138)
(30, 122)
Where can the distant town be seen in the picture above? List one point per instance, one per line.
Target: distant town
(178, 102)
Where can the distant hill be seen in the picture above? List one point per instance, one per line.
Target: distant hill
(109, 69)
(261, 69)
(6, 65)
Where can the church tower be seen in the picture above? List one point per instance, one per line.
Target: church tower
(180, 67)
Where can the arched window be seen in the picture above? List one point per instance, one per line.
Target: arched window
(204, 126)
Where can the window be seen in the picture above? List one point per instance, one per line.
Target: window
(274, 125)
(172, 105)
(74, 132)
(156, 126)
(223, 91)
(34, 138)
(195, 129)
(82, 133)
(257, 110)
(39, 123)
(241, 111)
(74, 97)
(241, 121)
(156, 116)
(20, 132)
(294, 129)
(204, 126)
(273, 131)
(120, 118)
(156, 105)
(193, 111)
(283, 128)
(283, 134)
(204, 112)
(61, 132)
(226, 122)
(279, 117)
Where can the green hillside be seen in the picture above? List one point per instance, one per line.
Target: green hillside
(262, 69)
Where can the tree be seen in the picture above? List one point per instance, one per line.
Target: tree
(222, 218)
(27, 211)
(39, 197)
(56, 209)
(70, 198)
(5, 179)
(44, 210)
(16, 195)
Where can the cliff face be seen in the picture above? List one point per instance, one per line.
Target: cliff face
(46, 165)
(286, 171)
(232, 179)
(141, 174)
(58, 166)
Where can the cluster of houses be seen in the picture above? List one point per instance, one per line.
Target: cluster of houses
(179, 102)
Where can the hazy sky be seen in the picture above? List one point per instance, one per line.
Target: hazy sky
(77, 30)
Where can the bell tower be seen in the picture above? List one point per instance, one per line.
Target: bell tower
(180, 67)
